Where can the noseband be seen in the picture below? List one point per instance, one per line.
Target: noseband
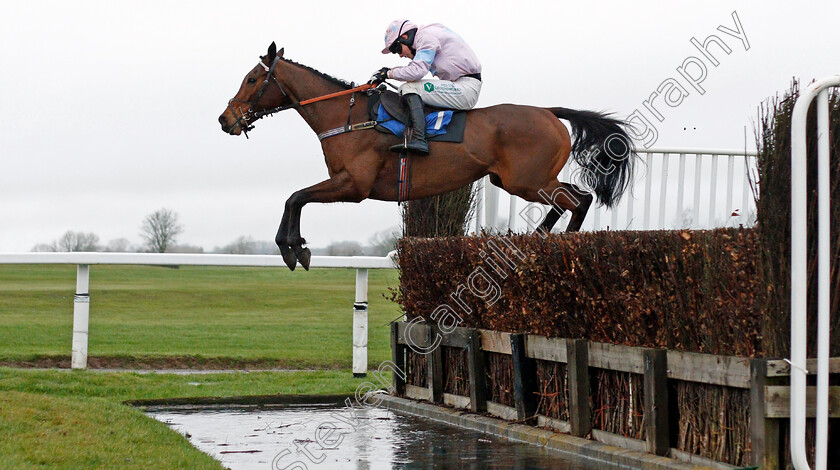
(242, 119)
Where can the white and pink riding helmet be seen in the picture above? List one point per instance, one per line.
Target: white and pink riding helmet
(396, 29)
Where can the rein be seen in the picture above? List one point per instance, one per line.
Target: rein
(267, 112)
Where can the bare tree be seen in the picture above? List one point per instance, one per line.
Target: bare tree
(119, 245)
(160, 230)
(264, 247)
(45, 247)
(71, 241)
(345, 248)
(77, 241)
(382, 243)
(243, 245)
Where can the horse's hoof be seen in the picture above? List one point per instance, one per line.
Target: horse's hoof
(290, 259)
(303, 256)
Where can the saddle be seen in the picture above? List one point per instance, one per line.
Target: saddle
(396, 109)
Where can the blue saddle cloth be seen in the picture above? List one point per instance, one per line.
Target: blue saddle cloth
(435, 122)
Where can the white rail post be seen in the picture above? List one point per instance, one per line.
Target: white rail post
(730, 180)
(745, 192)
(491, 205)
(798, 272)
(681, 193)
(81, 315)
(823, 274)
(648, 183)
(713, 191)
(360, 324)
(695, 212)
(663, 190)
(478, 187)
(512, 213)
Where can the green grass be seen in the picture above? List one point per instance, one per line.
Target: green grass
(217, 316)
(300, 319)
(51, 432)
(76, 419)
(119, 387)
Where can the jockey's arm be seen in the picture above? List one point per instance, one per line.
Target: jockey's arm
(417, 69)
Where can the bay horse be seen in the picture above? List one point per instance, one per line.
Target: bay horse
(522, 148)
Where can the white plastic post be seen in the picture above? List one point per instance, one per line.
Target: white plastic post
(648, 183)
(698, 170)
(798, 272)
(663, 189)
(81, 315)
(713, 191)
(360, 324)
(478, 187)
(680, 193)
(745, 197)
(823, 276)
(730, 182)
(491, 205)
(512, 213)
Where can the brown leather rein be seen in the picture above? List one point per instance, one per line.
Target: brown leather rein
(267, 112)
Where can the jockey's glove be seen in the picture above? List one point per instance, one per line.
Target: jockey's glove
(380, 76)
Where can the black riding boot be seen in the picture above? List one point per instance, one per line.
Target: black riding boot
(418, 143)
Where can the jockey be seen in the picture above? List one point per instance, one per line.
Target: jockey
(437, 49)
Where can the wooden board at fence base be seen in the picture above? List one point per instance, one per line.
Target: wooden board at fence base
(730, 371)
(555, 424)
(495, 341)
(781, 368)
(502, 411)
(456, 401)
(777, 399)
(546, 349)
(417, 393)
(616, 357)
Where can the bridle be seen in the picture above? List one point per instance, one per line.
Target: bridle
(242, 120)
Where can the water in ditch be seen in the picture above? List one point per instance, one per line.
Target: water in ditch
(313, 436)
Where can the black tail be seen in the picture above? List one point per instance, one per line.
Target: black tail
(603, 150)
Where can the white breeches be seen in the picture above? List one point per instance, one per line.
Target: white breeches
(460, 94)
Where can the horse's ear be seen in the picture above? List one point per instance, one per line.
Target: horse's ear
(280, 54)
(272, 52)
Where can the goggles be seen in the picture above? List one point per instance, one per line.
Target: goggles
(396, 46)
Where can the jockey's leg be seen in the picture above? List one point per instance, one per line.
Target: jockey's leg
(461, 94)
(418, 143)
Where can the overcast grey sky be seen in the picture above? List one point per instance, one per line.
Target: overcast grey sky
(109, 108)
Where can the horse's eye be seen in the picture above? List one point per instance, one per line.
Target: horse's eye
(251, 81)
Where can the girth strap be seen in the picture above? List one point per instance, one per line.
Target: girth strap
(404, 178)
(347, 128)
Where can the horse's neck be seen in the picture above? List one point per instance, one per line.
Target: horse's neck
(303, 84)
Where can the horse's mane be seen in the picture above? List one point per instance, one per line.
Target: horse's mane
(337, 81)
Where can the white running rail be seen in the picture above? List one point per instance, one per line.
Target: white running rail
(83, 260)
(798, 268)
(710, 188)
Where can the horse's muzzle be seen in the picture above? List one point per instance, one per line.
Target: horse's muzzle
(228, 128)
(224, 123)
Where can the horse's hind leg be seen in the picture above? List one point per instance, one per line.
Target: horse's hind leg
(579, 212)
(562, 197)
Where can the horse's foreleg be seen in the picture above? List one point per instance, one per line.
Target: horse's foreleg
(339, 188)
(282, 238)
